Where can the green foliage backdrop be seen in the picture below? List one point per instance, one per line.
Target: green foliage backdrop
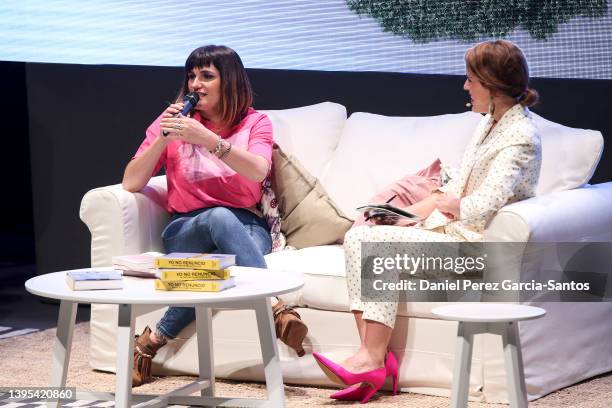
(430, 20)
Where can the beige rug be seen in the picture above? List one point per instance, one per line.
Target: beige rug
(26, 361)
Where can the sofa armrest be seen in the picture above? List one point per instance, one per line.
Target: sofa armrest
(121, 222)
(578, 215)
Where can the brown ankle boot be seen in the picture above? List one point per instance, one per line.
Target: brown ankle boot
(289, 327)
(144, 352)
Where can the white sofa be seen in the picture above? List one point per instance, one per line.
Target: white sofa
(354, 158)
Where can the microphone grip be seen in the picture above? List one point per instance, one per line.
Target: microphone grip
(185, 111)
(187, 108)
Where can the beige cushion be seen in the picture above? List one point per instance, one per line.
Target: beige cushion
(309, 216)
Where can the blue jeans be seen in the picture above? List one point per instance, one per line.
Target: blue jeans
(218, 229)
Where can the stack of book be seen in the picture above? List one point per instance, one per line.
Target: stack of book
(194, 272)
(140, 265)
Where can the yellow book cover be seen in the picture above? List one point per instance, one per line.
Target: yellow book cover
(196, 285)
(182, 260)
(192, 274)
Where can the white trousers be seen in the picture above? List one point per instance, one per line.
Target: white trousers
(414, 238)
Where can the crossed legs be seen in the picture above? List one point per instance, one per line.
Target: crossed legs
(375, 320)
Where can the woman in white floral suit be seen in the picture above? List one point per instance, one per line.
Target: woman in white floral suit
(501, 165)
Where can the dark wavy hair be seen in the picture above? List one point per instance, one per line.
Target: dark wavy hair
(236, 91)
(501, 67)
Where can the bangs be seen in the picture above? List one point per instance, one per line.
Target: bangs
(199, 59)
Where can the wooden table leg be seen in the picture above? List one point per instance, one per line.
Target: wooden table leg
(62, 344)
(269, 351)
(125, 350)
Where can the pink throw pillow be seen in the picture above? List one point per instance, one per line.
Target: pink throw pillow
(408, 190)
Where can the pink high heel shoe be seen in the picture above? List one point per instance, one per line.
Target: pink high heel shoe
(335, 372)
(358, 392)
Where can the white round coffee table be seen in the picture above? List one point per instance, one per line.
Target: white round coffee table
(496, 318)
(253, 290)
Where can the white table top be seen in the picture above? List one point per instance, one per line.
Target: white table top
(488, 312)
(251, 283)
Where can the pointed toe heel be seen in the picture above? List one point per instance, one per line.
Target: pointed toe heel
(353, 393)
(339, 374)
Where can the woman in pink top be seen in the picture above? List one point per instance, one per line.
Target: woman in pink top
(215, 160)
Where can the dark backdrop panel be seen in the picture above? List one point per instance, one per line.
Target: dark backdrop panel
(16, 225)
(580, 103)
(87, 121)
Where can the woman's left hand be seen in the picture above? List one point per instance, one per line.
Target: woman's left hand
(188, 130)
(449, 205)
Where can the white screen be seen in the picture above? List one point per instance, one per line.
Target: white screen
(298, 34)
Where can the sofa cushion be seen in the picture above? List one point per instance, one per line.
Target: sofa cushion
(310, 133)
(309, 216)
(376, 150)
(569, 155)
(325, 280)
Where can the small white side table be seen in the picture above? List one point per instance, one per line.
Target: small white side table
(253, 290)
(496, 318)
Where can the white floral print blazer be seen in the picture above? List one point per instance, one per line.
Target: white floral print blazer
(496, 170)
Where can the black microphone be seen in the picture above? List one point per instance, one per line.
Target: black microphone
(190, 100)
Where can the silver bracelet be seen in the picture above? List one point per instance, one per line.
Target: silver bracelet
(226, 151)
(217, 148)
